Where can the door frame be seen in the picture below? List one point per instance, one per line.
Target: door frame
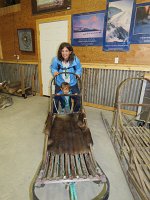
(49, 20)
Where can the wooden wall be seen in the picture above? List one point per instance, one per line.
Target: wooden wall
(9, 23)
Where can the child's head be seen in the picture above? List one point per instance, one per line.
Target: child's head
(65, 87)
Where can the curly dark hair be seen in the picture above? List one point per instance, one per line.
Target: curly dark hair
(69, 47)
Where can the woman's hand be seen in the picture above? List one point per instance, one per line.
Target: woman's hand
(56, 73)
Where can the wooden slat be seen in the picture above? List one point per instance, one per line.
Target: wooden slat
(46, 164)
(140, 138)
(61, 166)
(144, 135)
(55, 171)
(51, 163)
(72, 166)
(140, 173)
(78, 166)
(66, 165)
(89, 165)
(93, 160)
(83, 166)
(135, 183)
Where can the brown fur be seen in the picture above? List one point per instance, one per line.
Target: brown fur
(69, 134)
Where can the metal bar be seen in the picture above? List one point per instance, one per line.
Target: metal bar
(51, 181)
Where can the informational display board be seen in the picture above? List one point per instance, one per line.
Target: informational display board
(141, 24)
(117, 25)
(87, 29)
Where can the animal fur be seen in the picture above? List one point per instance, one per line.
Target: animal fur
(69, 135)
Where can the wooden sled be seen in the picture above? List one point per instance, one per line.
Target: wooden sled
(131, 140)
(67, 155)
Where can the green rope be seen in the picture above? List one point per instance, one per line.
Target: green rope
(73, 192)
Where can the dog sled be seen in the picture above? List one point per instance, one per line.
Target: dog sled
(130, 137)
(67, 155)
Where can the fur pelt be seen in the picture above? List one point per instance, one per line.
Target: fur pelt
(69, 134)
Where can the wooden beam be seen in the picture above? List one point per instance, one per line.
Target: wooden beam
(117, 66)
(128, 112)
(19, 62)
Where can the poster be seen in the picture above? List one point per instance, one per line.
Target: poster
(42, 6)
(141, 24)
(87, 29)
(117, 25)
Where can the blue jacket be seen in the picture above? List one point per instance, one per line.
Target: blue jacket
(74, 67)
(65, 100)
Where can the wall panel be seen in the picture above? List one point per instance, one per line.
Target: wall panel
(9, 23)
(11, 72)
(99, 86)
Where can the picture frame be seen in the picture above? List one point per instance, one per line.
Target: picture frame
(25, 39)
(43, 6)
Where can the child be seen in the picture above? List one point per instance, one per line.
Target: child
(64, 100)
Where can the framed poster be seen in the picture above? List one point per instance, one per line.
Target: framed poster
(25, 39)
(42, 6)
(141, 24)
(117, 25)
(87, 29)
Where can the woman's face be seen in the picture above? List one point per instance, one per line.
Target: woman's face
(65, 53)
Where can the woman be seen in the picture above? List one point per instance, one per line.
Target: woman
(66, 61)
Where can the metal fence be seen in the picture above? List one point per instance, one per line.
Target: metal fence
(99, 86)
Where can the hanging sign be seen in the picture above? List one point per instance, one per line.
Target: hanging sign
(117, 25)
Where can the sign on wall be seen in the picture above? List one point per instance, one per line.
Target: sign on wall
(117, 25)
(87, 29)
(141, 24)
